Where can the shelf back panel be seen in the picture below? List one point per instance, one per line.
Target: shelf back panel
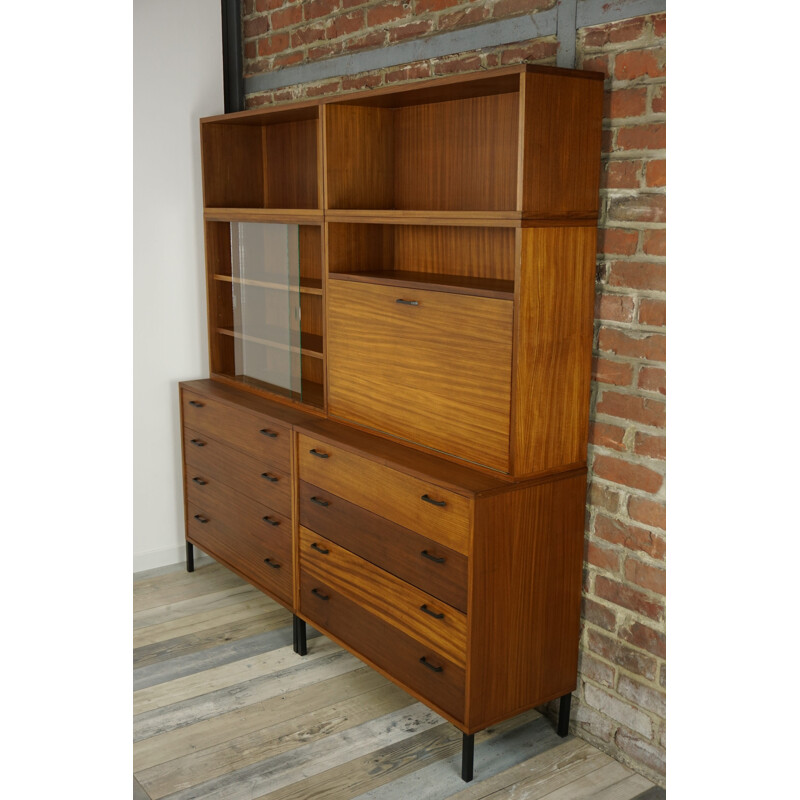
(459, 155)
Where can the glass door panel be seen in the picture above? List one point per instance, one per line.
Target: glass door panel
(265, 277)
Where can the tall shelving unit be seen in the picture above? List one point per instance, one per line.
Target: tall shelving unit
(416, 421)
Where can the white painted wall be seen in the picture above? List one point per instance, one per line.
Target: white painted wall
(177, 78)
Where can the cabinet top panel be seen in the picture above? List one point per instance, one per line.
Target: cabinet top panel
(504, 80)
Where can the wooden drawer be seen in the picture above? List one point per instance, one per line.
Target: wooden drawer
(433, 369)
(416, 559)
(439, 514)
(208, 460)
(408, 662)
(247, 535)
(257, 435)
(418, 614)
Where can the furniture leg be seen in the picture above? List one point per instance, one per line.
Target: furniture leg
(299, 636)
(467, 754)
(189, 557)
(563, 715)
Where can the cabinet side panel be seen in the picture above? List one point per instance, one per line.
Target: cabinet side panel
(561, 151)
(525, 607)
(553, 357)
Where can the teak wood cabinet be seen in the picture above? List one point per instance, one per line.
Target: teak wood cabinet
(392, 442)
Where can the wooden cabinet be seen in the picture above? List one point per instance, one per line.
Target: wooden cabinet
(393, 440)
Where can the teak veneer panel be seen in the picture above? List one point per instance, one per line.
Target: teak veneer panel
(437, 373)
(386, 596)
(552, 358)
(397, 496)
(414, 558)
(526, 563)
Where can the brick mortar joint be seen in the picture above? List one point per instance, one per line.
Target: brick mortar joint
(656, 497)
(655, 719)
(653, 685)
(619, 577)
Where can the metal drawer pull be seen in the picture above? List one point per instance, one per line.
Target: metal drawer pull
(201, 518)
(315, 452)
(426, 554)
(196, 404)
(430, 666)
(270, 478)
(315, 546)
(319, 594)
(267, 432)
(323, 503)
(440, 503)
(198, 443)
(270, 563)
(424, 607)
(407, 302)
(270, 521)
(199, 481)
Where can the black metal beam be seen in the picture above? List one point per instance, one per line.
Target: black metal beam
(232, 72)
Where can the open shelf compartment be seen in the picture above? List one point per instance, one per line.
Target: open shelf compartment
(262, 160)
(462, 260)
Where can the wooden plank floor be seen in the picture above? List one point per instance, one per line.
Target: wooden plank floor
(224, 709)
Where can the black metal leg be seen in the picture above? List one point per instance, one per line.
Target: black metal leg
(563, 715)
(467, 755)
(299, 636)
(189, 557)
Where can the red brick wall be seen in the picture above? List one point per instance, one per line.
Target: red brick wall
(620, 701)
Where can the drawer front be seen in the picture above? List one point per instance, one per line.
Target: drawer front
(418, 614)
(426, 564)
(438, 367)
(434, 678)
(259, 436)
(250, 537)
(438, 514)
(208, 460)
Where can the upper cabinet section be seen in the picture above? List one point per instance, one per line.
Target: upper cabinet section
(265, 160)
(508, 145)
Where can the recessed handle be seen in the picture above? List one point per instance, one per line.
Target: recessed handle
(315, 452)
(196, 404)
(270, 563)
(403, 302)
(268, 432)
(319, 594)
(199, 481)
(439, 503)
(434, 614)
(270, 478)
(198, 443)
(320, 502)
(430, 666)
(315, 546)
(437, 559)
(271, 521)
(201, 518)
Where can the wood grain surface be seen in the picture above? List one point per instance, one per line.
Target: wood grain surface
(245, 717)
(437, 372)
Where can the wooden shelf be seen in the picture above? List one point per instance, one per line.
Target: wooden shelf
(311, 394)
(290, 216)
(307, 285)
(311, 344)
(482, 219)
(457, 284)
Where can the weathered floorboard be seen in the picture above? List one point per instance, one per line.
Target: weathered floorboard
(225, 710)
